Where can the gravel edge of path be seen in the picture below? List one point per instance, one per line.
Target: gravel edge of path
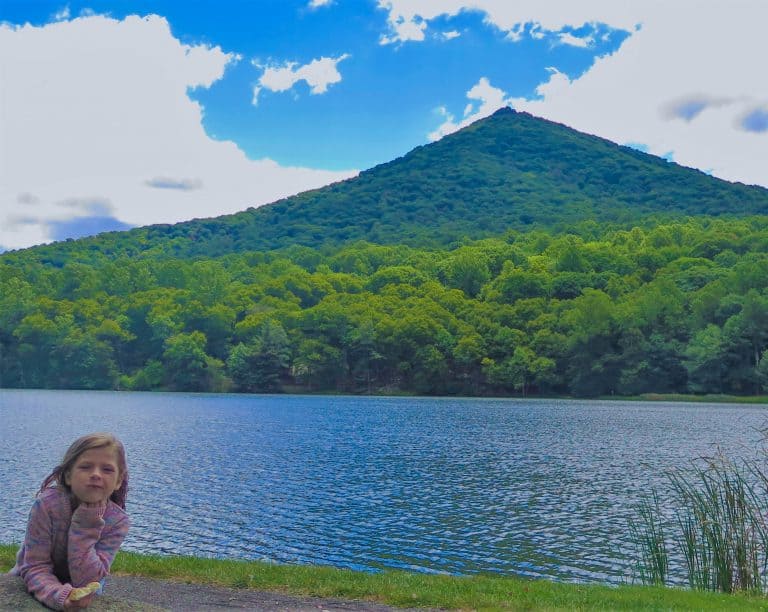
(125, 593)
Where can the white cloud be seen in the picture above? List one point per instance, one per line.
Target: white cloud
(566, 38)
(319, 74)
(313, 4)
(511, 17)
(488, 100)
(62, 14)
(674, 89)
(685, 81)
(80, 126)
(404, 30)
(451, 35)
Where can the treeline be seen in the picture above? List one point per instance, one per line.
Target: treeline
(676, 307)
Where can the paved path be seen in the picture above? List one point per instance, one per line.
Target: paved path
(133, 593)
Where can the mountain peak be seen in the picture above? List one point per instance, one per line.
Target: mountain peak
(509, 171)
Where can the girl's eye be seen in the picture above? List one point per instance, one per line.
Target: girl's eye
(109, 469)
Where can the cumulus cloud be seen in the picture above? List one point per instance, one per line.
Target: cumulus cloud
(669, 69)
(532, 17)
(116, 127)
(313, 4)
(484, 98)
(319, 74)
(61, 15)
(404, 29)
(683, 83)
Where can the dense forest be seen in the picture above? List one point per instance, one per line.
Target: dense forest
(677, 306)
(516, 256)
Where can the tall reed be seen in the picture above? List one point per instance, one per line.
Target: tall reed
(720, 527)
(649, 534)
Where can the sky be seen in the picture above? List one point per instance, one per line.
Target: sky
(118, 114)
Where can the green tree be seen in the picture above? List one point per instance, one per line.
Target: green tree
(467, 270)
(318, 366)
(187, 364)
(260, 365)
(705, 361)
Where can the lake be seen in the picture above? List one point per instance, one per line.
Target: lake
(539, 488)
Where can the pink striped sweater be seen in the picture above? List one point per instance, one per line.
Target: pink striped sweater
(64, 549)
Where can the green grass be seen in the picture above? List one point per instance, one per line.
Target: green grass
(418, 590)
(685, 397)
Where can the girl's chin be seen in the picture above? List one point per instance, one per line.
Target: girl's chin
(91, 498)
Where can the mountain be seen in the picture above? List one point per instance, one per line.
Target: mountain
(642, 276)
(509, 171)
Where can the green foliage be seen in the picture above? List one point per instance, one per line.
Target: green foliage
(719, 527)
(485, 317)
(259, 365)
(513, 257)
(188, 367)
(415, 589)
(650, 537)
(509, 172)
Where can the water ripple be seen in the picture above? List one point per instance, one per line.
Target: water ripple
(532, 488)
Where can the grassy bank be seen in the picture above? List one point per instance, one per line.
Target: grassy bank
(684, 397)
(412, 589)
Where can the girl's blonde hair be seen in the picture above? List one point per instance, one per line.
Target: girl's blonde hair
(86, 443)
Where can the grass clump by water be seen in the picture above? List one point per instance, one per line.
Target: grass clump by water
(719, 529)
(709, 398)
(407, 589)
(649, 534)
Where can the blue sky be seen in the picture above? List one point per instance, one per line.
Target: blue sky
(117, 114)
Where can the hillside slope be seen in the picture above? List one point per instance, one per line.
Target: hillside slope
(508, 171)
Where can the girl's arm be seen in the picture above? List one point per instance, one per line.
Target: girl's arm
(93, 543)
(36, 567)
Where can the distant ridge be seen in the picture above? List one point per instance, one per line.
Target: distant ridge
(510, 171)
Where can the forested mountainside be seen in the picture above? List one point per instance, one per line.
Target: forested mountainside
(679, 307)
(509, 171)
(653, 279)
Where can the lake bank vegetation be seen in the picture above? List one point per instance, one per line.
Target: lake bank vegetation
(713, 518)
(598, 310)
(408, 589)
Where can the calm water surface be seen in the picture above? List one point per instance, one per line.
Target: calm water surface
(527, 487)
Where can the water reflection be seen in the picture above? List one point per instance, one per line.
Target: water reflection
(536, 488)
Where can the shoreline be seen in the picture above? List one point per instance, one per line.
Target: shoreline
(715, 398)
(402, 589)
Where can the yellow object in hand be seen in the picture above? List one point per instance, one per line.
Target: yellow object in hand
(89, 588)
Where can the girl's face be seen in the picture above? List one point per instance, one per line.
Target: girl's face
(94, 476)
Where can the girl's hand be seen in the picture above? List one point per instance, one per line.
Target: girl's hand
(79, 604)
(99, 504)
(81, 597)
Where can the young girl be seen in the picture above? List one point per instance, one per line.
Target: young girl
(76, 525)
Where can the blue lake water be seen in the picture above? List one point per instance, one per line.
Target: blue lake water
(539, 488)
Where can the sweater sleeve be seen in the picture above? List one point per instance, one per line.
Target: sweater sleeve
(36, 568)
(93, 543)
